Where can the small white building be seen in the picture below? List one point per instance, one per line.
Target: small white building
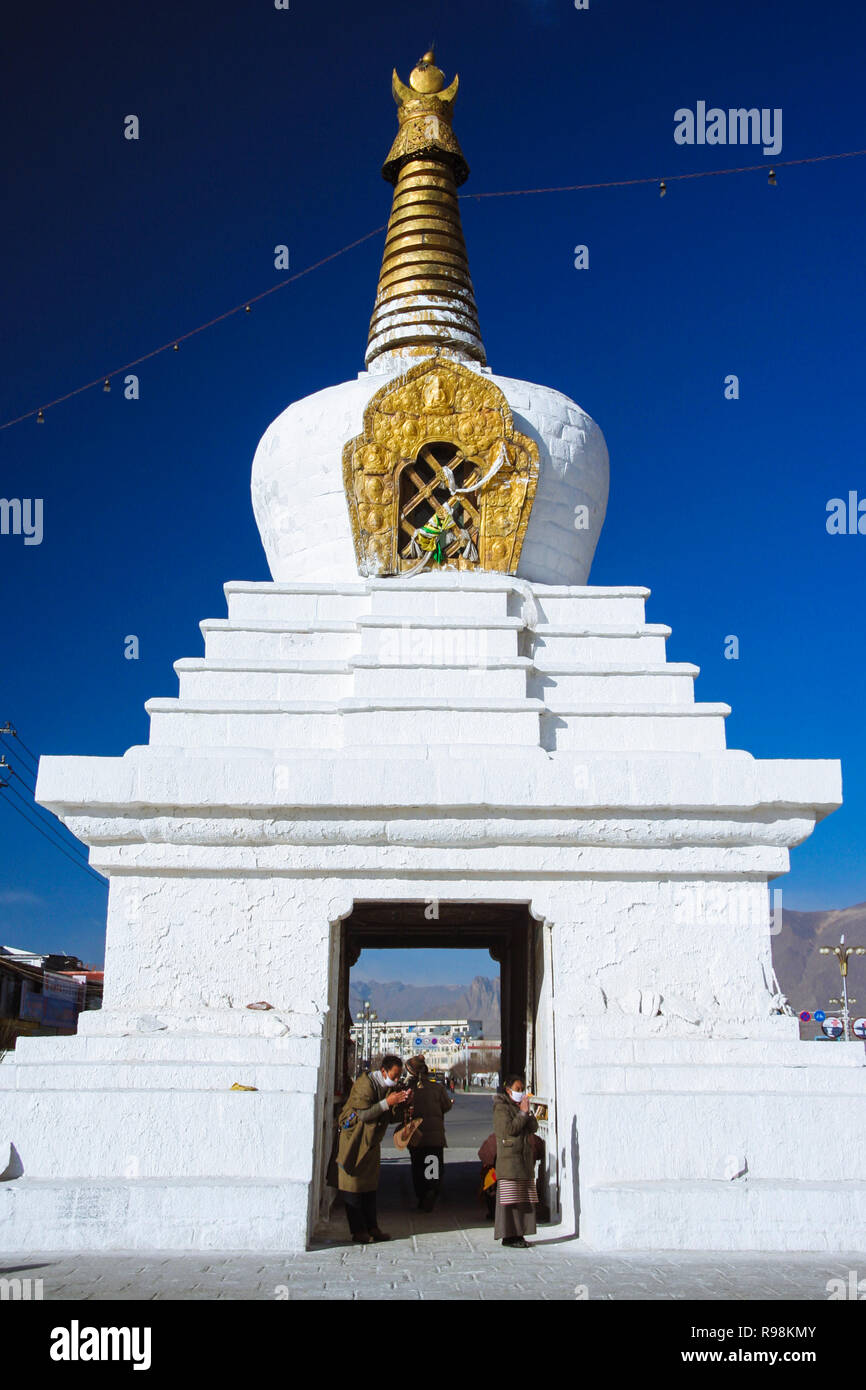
(444, 1041)
(429, 729)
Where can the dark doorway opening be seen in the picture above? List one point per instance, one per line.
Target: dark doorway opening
(502, 929)
(515, 941)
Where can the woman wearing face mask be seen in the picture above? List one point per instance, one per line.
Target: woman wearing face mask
(516, 1197)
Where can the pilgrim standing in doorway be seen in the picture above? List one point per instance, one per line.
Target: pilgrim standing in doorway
(372, 1106)
(516, 1197)
(430, 1104)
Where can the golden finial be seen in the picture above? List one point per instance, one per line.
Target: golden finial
(425, 300)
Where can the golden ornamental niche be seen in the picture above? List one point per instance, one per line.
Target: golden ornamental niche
(439, 477)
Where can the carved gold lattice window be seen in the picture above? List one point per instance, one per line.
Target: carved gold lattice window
(439, 443)
(425, 492)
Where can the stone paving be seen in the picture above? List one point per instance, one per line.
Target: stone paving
(449, 1254)
(442, 1268)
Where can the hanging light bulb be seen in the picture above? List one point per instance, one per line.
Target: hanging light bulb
(246, 308)
(106, 385)
(663, 188)
(177, 347)
(40, 416)
(771, 179)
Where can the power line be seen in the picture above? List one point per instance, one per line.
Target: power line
(660, 183)
(9, 732)
(668, 178)
(77, 862)
(53, 823)
(183, 337)
(6, 766)
(35, 812)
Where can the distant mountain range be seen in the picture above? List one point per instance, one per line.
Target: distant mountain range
(400, 1003)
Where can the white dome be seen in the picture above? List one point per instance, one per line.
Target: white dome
(303, 516)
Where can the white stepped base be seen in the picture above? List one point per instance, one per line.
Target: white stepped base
(104, 1129)
(152, 1214)
(744, 1214)
(497, 746)
(354, 724)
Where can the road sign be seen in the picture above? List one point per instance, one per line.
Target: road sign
(833, 1027)
(859, 1027)
(805, 1016)
(433, 1042)
(820, 1015)
(458, 1041)
(417, 1042)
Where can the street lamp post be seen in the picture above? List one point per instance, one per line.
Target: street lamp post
(842, 952)
(366, 1019)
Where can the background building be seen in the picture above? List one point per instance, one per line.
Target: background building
(42, 995)
(436, 1038)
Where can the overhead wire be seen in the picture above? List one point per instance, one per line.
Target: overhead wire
(77, 862)
(52, 823)
(8, 731)
(660, 182)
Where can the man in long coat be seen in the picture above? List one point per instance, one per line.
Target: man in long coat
(373, 1105)
(429, 1103)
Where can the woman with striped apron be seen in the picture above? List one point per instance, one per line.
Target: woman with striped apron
(516, 1197)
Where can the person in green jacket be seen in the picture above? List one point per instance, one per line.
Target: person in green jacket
(516, 1197)
(373, 1104)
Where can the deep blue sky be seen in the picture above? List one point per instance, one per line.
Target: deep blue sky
(261, 127)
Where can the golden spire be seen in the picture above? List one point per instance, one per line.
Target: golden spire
(425, 299)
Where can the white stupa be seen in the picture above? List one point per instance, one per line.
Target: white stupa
(428, 729)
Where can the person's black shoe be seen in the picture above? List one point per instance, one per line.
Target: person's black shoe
(377, 1235)
(362, 1240)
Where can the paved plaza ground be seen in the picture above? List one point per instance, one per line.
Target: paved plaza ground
(444, 1266)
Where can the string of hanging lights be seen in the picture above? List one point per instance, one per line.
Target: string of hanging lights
(661, 184)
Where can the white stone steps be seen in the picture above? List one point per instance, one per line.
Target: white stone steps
(749, 1214)
(633, 728)
(379, 720)
(643, 644)
(558, 605)
(415, 605)
(267, 1213)
(298, 665)
(287, 603)
(744, 1078)
(266, 681)
(779, 1126)
(263, 641)
(166, 1046)
(432, 681)
(711, 1052)
(448, 641)
(114, 1075)
(147, 1132)
(346, 723)
(568, 683)
(320, 681)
